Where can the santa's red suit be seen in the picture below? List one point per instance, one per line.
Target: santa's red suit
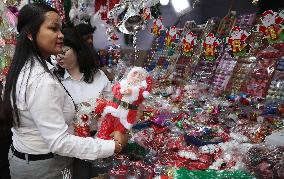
(120, 114)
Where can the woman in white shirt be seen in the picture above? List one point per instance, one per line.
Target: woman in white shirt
(79, 70)
(80, 74)
(43, 112)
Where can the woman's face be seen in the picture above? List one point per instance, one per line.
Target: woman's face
(67, 59)
(49, 37)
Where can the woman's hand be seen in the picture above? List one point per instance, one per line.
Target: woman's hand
(120, 140)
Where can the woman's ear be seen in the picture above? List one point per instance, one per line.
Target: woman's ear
(30, 37)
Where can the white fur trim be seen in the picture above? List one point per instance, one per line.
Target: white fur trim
(144, 83)
(120, 113)
(133, 96)
(145, 94)
(123, 86)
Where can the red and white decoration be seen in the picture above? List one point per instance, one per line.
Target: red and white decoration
(132, 90)
(171, 36)
(237, 39)
(188, 42)
(210, 43)
(271, 24)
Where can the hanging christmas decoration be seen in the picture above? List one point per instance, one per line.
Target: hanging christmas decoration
(171, 36)
(147, 13)
(58, 5)
(237, 41)
(158, 27)
(133, 18)
(171, 40)
(7, 39)
(271, 26)
(112, 36)
(81, 11)
(155, 11)
(209, 45)
(188, 43)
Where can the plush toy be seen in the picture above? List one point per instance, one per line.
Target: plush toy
(120, 114)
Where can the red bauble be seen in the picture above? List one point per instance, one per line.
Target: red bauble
(85, 117)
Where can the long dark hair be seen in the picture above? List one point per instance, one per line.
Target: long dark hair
(6, 118)
(30, 19)
(88, 64)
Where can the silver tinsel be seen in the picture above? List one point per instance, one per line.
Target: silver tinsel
(132, 20)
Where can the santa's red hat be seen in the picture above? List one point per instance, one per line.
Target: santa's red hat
(236, 28)
(191, 33)
(211, 35)
(268, 12)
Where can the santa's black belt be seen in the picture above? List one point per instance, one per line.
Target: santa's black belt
(125, 104)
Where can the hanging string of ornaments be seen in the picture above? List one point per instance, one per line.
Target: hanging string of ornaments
(7, 37)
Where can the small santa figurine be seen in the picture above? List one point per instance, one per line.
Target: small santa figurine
(271, 26)
(157, 26)
(120, 114)
(171, 36)
(237, 40)
(188, 43)
(147, 13)
(210, 45)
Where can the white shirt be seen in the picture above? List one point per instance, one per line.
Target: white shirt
(86, 92)
(46, 115)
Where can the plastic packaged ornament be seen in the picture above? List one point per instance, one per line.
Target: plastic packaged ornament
(261, 75)
(245, 21)
(223, 73)
(240, 73)
(265, 161)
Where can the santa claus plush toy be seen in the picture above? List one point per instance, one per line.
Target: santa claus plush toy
(120, 114)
